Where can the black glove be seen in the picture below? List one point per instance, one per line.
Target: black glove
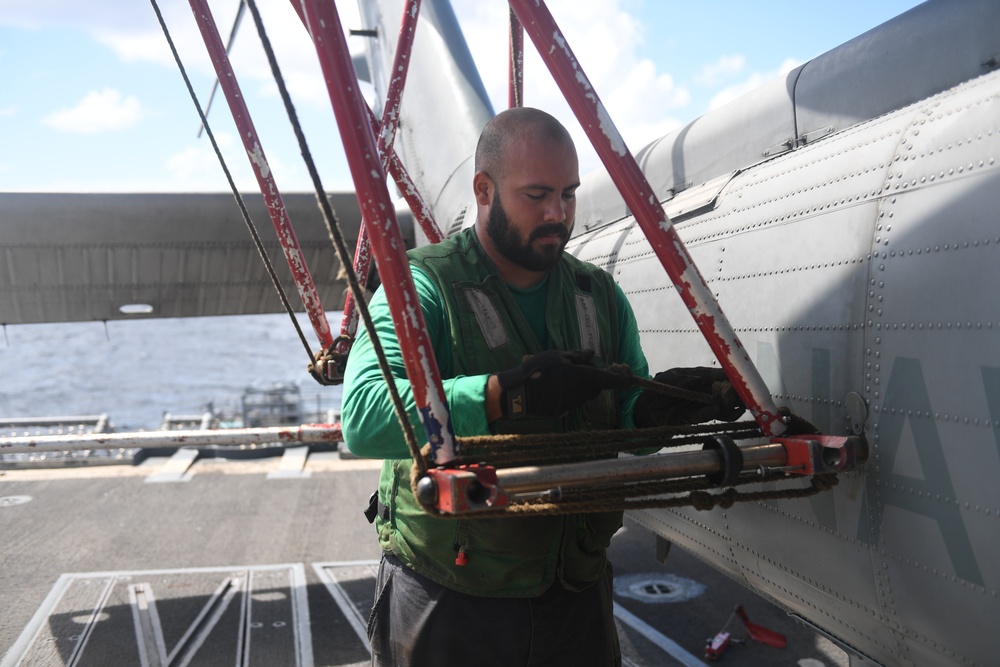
(655, 409)
(552, 383)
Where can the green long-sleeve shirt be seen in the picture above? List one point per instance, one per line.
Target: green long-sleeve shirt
(369, 422)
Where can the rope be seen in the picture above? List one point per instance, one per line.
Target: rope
(509, 450)
(339, 245)
(697, 498)
(232, 184)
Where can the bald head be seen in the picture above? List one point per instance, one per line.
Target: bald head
(517, 124)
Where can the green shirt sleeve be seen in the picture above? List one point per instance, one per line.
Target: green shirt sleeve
(368, 419)
(630, 352)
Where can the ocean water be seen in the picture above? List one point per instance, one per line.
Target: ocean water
(137, 370)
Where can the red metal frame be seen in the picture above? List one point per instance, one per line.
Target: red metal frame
(323, 23)
(515, 64)
(466, 489)
(386, 132)
(653, 221)
(265, 179)
(400, 68)
(818, 454)
(362, 255)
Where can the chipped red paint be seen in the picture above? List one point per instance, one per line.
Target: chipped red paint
(386, 133)
(400, 68)
(265, 179)
(643, 203)
(324, 26)
(391, 163)
(350, 317)
(418, 206)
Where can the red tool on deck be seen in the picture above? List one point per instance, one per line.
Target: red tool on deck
(717, 645)
(759, 632)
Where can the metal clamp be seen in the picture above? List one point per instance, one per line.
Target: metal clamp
(730, 458)
(821, 454)
(460, 490)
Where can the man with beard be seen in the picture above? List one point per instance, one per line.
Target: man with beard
(523, 333)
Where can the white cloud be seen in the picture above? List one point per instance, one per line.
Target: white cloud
(8, 111)
(754, 81)
(34, 14)
(196, 168)
(294, 50)
(604, 38)
(99, 111)
(198, 162)
(721, 70)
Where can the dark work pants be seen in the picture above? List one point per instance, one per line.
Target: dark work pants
(416, 622)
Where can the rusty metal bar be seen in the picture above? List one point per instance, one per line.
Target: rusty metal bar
(265, 179)
(386, 133)
(400, 68)
(305, 433)
(362, 256)
(418, 205)
(323, 23)
(670, 465)
(515, 65)
(721, 462)
(653, 221)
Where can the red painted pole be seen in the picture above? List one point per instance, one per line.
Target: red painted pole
(362, 255)
(418, 206)
(515, 66)
(265, 178)
(642, 201)
(390, 162)
(324, 25)
(400, 68)
(395, 167)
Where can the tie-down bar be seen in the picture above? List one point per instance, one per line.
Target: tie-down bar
(477, 488)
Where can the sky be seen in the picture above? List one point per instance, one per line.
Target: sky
(92, 101)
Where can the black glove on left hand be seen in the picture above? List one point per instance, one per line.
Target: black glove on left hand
(552, 383)
(655, 409)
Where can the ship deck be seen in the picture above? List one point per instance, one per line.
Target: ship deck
(267, 562)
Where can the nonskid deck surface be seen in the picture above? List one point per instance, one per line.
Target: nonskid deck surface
(270, 562)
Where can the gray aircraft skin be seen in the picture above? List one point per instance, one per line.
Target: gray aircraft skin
(846, 218)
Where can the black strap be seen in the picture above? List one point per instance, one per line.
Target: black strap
(376, 509)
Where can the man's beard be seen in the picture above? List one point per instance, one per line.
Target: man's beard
(508, 242)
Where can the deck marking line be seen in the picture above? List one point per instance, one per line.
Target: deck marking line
(176, 468)
(91, 621)
(292, 464)
(149, 630)
(649, 632)
(34, 627)
(195, 636)
(349, 611)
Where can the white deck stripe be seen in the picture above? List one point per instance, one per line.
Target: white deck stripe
(176, 467)
(292, 465)
(347, 608)
(666, 643)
